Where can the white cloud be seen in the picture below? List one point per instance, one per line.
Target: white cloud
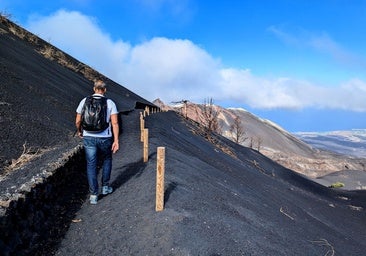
(172, 69)
(80, 36)
(320, 42)
(176, 69)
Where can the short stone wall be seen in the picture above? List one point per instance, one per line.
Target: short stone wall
(35, 222)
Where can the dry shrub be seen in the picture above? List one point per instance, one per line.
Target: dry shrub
(325, 243)
(27, 155)
(13, 29)
(200, 130)
(46, 49)
(89, 73)
(62, 59)
(3, 31)
(48, 52)
(65, 61)
(4, 16)
(33, 39)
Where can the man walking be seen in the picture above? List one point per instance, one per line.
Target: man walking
(99, 140)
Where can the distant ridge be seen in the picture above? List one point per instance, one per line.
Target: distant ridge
(295, 151)
(352, 143)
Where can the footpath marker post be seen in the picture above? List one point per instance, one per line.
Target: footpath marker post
(142, 127)
(160, 170)
(146, 145)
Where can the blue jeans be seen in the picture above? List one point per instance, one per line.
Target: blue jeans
(98, 149)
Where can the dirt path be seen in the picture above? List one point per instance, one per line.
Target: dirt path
(130, 151)
(98, 229)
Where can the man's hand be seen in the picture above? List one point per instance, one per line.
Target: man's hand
(115, 130)
(115, 146)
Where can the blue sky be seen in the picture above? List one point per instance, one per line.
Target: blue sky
(299, 63)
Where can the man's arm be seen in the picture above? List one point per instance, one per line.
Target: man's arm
(115, 130)
(78, 125)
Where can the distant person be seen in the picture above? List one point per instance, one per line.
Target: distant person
(97, 124)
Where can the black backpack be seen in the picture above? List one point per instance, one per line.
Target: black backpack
(94, 114)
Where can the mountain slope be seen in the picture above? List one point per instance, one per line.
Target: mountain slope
(351, 142)
(33, 71)
(216, 203)
(274, 142)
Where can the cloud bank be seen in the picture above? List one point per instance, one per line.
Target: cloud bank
(176, 69)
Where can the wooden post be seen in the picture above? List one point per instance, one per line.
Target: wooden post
(160, 170)
(185, 110)
(142, 127)
(146, 145)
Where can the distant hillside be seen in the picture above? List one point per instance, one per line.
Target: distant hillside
(289, 150)
(351, 142)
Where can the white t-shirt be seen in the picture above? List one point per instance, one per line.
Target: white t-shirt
(111, 110)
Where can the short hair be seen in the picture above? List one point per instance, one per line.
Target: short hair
(99, 84)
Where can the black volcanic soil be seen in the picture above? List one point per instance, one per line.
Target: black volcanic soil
(39, 97)
(215, 204)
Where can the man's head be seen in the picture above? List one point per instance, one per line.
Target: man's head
(100, 87)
